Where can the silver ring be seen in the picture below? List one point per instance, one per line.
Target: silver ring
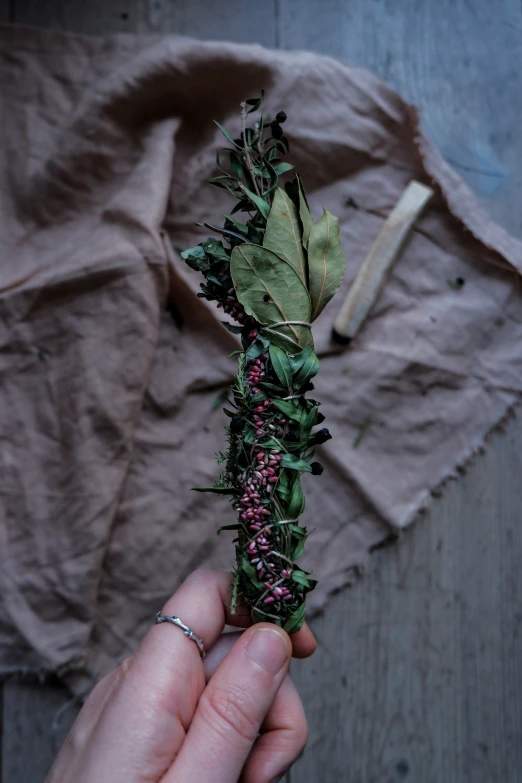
(186, 630)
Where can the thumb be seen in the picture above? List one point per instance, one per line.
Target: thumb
(232, 708)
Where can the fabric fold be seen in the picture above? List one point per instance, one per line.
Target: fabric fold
(111, 366)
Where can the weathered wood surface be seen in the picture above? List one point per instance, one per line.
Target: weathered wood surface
(418, 676)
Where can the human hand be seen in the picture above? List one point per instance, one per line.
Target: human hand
(166, 716)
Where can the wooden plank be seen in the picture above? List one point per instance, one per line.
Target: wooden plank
(418, 675)
(34, 729)
(244, 21)
(6, 10)
(455, 59)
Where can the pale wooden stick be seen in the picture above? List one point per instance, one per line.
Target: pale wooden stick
(383, 253)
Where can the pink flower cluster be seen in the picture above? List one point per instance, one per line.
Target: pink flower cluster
(232, 307)
(260, 549)
(256, 373)
(258, 484)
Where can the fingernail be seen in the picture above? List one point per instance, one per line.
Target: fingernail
(269, 649)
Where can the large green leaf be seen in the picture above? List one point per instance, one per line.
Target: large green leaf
(326, 262)
(271, 291)
(283, 233)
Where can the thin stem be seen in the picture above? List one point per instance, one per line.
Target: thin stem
(225, 232)
(248, 160)
(284, 557)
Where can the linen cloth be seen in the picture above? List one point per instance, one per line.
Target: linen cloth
(110, 364)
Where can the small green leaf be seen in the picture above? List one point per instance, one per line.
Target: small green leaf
(255, 103)
(241, 227)
(298, 361)
(326, 262)
(262, 205)
(227, 135)
(283, 233)
(296, 619)
(298, 531)
(283, 168)
(309, 370)
(236, 166)
(213, 247)
(298, 549)
(294, 463)
(228, 527)
(279, 391)
(196, 258)
(289, 409)
(231, 328)
(300, 577)
(297, 501)
(251, 573)
(281, 365)
(219, 399)
(254, 350)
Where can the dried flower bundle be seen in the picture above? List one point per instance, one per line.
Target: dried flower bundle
(277, 274)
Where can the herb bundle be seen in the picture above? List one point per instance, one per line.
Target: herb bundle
(277, 274)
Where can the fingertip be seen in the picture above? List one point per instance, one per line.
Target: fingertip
(304, 643)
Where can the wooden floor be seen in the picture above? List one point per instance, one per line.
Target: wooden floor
(419, 672)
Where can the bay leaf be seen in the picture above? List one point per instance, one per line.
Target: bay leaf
(326, 262)
(283, 233)
(271, 291)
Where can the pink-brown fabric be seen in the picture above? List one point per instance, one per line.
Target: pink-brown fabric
(106, 417)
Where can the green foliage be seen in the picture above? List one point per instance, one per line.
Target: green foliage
(283, 234)
(326, 262)
(281, 365)
(271, 292)
(273, 265)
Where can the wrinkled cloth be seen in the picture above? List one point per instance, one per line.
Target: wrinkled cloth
(110, 364)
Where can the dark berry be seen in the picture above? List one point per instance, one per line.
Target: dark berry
(322, 436)
(277, 131)
(281, 117)
(320, 418)
(317, 468)
(236, 424)
(292, 436)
